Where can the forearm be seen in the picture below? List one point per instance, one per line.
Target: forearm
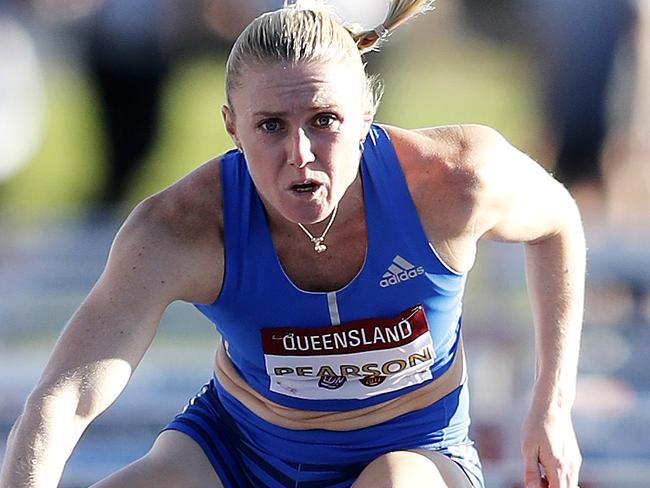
(55, 415)
(40, 443)
(555, 273)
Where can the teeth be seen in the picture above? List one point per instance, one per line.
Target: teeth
(304, 187)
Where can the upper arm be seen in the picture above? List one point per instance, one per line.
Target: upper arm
(153, 261)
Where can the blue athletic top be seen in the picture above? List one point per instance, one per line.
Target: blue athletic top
(393, 328)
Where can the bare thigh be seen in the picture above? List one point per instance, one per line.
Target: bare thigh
(175, 460)
(412, 469)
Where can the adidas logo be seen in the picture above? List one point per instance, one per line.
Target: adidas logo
(401, 270)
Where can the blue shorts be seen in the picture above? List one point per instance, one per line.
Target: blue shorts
(240, 463)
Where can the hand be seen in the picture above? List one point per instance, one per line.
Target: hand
(551, 454)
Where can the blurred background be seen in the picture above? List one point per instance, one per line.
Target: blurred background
(103, 102)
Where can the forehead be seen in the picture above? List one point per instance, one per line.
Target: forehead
(287, 87)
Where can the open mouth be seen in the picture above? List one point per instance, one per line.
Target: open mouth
(306, 187)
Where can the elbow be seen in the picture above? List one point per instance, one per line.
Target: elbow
(46, 405)
(571, 222)
(64, 406)
(82, 393)
(564, 222)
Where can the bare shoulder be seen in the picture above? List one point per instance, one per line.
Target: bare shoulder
(448, 161)
(186, 209)
(488, 187)
(450, 167)
(456, 153)
(177, 235)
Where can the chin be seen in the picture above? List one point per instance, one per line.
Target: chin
(310, 215)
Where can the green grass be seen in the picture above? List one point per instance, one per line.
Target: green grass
(67, 167)
(467, 81)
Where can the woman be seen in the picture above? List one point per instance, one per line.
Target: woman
(331, 254)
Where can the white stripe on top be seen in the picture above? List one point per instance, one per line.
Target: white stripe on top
(333, 308)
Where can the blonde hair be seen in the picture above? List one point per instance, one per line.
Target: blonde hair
(310, 31)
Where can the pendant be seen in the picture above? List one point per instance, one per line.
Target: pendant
(319, 246)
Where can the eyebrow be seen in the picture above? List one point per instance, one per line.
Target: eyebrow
(269, 114)
(284, 113)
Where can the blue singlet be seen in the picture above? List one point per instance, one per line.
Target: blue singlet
(394, 328)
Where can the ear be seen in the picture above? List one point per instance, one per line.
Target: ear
(229, 121)
(368, 118)
(372, 91)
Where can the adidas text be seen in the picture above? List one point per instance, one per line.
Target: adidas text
(399, 271)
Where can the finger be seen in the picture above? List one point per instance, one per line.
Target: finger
(574, 470)
(571, 477)
(552, 475)
(561, 473)
(556, 473)
(532, 474)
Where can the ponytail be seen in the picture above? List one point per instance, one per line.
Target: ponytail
(399, 11)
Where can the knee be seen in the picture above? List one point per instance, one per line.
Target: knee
(146, 471)
(400, 469)
(178, 460)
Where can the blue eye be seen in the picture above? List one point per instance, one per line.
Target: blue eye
(323, 121)
(271, 125)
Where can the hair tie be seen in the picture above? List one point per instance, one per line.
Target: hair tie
(381, 31)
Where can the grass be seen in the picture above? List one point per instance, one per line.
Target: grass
(66, 168)
(472, 82)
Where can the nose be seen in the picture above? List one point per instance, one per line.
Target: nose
(299, 151)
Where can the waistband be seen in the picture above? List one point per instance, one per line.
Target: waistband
(296, 419)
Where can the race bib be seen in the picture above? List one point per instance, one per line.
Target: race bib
(355, 360)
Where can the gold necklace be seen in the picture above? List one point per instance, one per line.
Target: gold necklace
(319, 245)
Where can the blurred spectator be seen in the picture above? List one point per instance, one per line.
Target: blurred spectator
(129, 47)
(575, 45)
(128, 62)
(127, 65)
(129, 55)
(577, 42)
(580, 48)
(131, 50)
(627, 155)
